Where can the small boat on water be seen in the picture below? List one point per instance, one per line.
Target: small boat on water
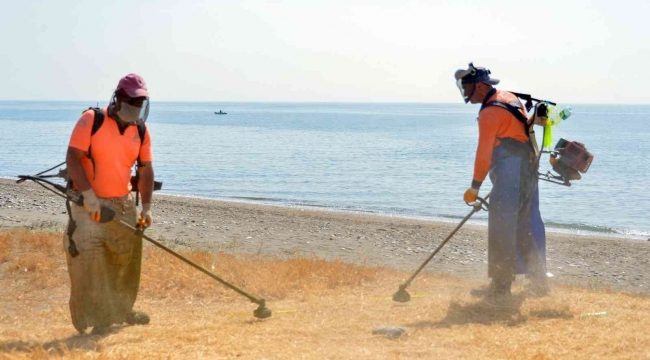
(220, 113)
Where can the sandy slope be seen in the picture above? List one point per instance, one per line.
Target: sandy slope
(322, 310)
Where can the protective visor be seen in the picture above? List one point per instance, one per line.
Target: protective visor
(144, 112)
(459, 75)
(466, 97)
(133, 111)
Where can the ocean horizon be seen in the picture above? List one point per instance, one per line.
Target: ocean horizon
(410, 160)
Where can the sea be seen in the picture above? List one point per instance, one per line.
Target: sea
(408, 160)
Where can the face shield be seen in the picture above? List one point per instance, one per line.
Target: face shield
(465, 88)
(132, 111)
(459, 75)
(466, 80)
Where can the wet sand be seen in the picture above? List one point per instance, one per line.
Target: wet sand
(245, 228)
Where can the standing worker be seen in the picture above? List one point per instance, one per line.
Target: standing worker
(506, 152)
(104, 265)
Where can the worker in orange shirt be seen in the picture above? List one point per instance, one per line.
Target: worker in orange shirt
(104, 267)
(505, 151)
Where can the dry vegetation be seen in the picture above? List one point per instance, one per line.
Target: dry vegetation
(321, 310)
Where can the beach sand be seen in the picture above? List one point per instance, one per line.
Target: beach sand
(286, 232)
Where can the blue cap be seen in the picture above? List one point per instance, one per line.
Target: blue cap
(475, 75)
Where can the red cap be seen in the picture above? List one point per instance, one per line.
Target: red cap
(133, 85)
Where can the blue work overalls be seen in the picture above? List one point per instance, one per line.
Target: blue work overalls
(516, 235)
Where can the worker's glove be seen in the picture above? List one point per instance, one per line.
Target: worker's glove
(146, 217)
(92, 205)
(470, 195)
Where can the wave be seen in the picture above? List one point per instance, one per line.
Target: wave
(598, 230)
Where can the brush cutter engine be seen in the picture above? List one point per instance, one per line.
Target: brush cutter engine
(569, 159)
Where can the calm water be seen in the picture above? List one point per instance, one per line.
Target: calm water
(396, 159)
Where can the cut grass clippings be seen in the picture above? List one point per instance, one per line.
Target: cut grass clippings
(321, 309)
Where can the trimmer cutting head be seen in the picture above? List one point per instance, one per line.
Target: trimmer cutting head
(402, 295)
(262, 312)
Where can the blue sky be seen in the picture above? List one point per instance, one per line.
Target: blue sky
(344, 51)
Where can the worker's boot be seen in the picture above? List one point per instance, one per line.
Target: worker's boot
(498, 293)
(100, 329)
(137, 318)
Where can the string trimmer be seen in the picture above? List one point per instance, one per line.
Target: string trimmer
(107, 214)
(402, 295)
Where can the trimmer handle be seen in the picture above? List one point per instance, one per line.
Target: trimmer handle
(479, 204)
(107, 213)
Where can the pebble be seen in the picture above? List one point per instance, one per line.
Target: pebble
(393, 332)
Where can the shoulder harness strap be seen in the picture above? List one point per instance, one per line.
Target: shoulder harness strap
(142, 130)
(510, 108)
(98, 120)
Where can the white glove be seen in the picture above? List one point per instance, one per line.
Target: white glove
(92, 205)
(146, 216)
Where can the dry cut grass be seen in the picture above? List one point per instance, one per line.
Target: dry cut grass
(321, 310)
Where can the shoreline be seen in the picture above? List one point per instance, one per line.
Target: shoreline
(426, 218)
(562, 229)
(273, 230)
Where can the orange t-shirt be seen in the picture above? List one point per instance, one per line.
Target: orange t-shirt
(493, 123)
(113, 153)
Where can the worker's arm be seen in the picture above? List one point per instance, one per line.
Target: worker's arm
(145, 186)
(488, 124)
(75, 171)
(90, 201)
(80, 139)
(145, 181)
